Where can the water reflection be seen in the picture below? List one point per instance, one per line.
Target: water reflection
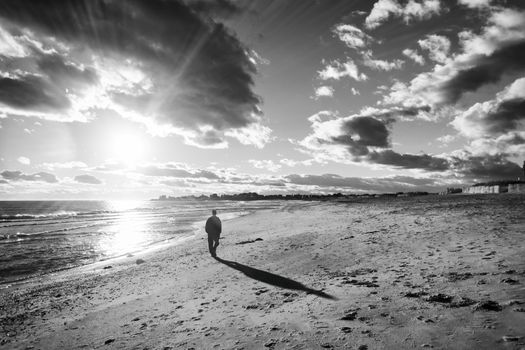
(128, 233)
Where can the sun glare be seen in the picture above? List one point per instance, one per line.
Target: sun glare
(127, 148)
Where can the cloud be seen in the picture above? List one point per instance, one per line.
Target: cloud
(376, 64)
(361, 184)
(20, 176)
(87, 179)
(326, 91)
(167, 64)
(362, 137)
(24, 160)
(354, 91)
(487, 70)
(475, 3)
(413, 55)
(409, 161)
(413, 10)
(265, 165)
(173, 170)
(65, 165)
(484, 58)
(337, 70)
(438, 47)
(496, 125)
(486, 166)
(352, 36)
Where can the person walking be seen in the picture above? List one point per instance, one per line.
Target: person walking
(213, 229)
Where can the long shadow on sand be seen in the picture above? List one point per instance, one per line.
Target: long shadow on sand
(273, 279)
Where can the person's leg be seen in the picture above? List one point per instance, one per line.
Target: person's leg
(216, 244)
(210, 245)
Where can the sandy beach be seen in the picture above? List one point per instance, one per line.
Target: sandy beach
(385, 274)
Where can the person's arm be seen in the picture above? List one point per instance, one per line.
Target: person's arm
(220, 226)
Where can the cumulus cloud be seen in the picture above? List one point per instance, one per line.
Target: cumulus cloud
(475, 3)
(167, 64)
(337, 70)
(324, 90)
(360, 184)
(354, 91)
(438, 47)
(268, 165)
(24, 160)
(20, 176)
(87, 179)
(412, 10)
(485, 166)
(65, 165)
(363, 137)
(496, 125)
(176, 171)
(484, 58)
(413, 55)
(378, 64)
(352, 36)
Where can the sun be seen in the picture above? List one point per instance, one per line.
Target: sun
(127, 148)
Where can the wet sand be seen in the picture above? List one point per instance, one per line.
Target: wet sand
(392, 274)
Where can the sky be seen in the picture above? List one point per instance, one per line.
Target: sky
(108, 99)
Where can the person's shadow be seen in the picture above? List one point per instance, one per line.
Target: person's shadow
(273, 279)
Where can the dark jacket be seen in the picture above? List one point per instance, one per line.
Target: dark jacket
(213, 225)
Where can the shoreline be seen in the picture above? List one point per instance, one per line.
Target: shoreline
(195, 229)
(400, 277)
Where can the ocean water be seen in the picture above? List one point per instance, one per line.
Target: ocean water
(39, 237)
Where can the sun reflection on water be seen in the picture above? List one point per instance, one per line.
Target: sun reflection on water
(128, 233)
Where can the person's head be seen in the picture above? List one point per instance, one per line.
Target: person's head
(214, 212)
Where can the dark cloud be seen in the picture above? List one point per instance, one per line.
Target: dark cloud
(391, 184)
(87, 179)
(20, 176)
(409, 161)
(32, 92)
(486, 70)
(170, 171)
(65, 74)
(216, 8)
(361, 132)
(200, 71)
(486, 167)
(506, 117)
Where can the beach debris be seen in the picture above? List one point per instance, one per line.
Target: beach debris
(346, 329)
(350, 315)
(488, 305)
(108, 267)
(415, 294)
(109, 341)
(509, 338)
(439, 298)
(270, 343)
(519, 309)
(327, 346)
(362, 347)
(249, 241)
(455, 276)
(510, 281)
(462, 302)
(139, 261)
(368, 284)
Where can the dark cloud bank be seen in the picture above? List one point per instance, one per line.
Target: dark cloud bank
(20, 176)
(87, 179)
(367, 138)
